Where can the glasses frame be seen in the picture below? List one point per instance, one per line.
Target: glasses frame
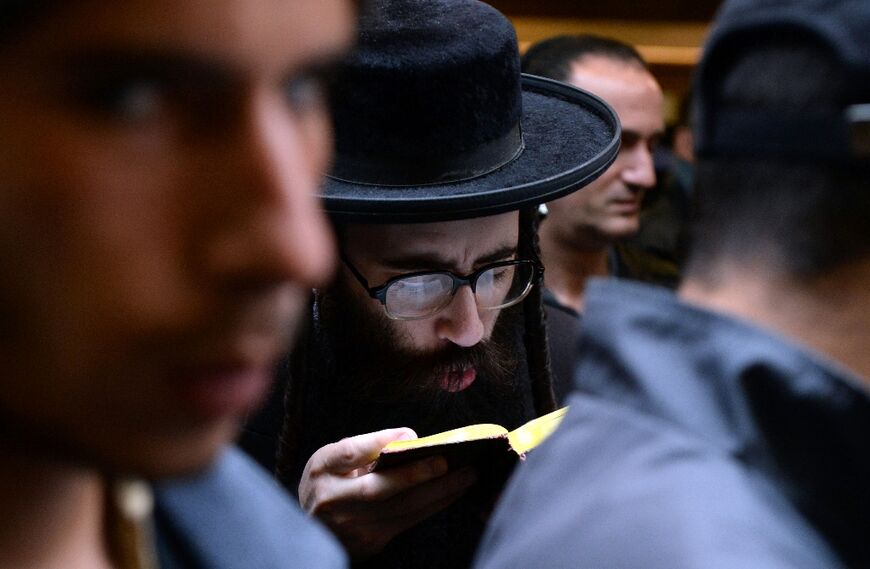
(379, 292)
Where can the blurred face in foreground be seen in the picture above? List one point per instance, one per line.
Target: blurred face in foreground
(609, 208)
(158, 226)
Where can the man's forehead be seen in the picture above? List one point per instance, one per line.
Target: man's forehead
(454, 242)
(609, 78)
(631, 90)
(267, 35)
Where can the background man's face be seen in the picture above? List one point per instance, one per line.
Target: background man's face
(158, 228)
(382, 252)
(609, 207)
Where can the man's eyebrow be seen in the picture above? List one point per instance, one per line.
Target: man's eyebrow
(156, 63)
(501, 254)
(435, 261)
(634, 136)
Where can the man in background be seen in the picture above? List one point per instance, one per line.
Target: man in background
(159, 233)
(727, 427)
(580, 235)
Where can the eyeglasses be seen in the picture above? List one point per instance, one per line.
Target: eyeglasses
(418, 295)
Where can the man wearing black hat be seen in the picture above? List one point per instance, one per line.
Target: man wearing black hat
(728, 427)
(443, 153)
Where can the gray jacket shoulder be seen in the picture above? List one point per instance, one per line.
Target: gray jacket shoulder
(235, 515)
(612, 489)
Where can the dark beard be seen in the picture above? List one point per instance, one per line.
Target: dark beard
(384, 385)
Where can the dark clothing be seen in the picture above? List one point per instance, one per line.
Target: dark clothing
(694, 440)
(563, 329)
(657, 252)
(235, 516)
(639, 262)
(562, 332)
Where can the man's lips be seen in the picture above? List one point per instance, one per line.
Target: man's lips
(458, 380)
(625, 206)
(221, 391)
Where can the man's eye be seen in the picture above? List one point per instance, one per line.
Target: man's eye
(306, 92)
(500, 274)
(309, 88)
(629, 140)
(129, 99)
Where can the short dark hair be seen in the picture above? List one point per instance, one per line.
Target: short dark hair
(15, 14)
(553, 57)
(801, 219)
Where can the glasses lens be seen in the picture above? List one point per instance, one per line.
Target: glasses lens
(420, 296)
(504, 285)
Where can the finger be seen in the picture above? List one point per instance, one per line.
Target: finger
(417, 500)
(356, 452)
(376, 487)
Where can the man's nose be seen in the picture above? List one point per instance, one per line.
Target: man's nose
(639, 168)
(274, 228)
(460, 322)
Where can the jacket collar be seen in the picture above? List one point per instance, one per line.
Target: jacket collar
(662, 346)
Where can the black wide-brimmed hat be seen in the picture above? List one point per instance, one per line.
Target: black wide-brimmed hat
(434, 121)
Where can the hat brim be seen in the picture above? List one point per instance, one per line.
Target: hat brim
(571, 137)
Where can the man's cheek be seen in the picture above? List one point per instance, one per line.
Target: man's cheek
(490, 318)
(412, 336)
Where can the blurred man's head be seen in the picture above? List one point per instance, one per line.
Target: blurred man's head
(158, 225)
(783, 205)
(781, 185)
(608, 208)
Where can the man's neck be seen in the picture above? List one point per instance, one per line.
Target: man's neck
(52, 514)
(568, 268)
(829, 314)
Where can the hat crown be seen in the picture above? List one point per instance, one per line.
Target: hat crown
(434, 121)
(429, 78)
